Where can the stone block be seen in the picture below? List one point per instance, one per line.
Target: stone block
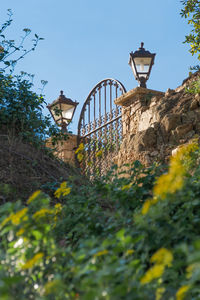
(169, 92)
(171, 121)
(194, 105)
(154, 101)
(137, 93)
(190, 134)
(154, 153)
(197, 127)
(183, 129)
(144, 140)
(65, 149)
(135, 107)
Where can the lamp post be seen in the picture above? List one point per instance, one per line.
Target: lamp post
(62, 110)
(141, 62)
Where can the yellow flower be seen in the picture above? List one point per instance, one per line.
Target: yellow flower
(146, 206)
(126, 186)
(58, 207)
(154, 200)
(162, 256)
(100, 253)
(169, 183)
(20, 232)
(33, 261)
(5, 221)
(16, 218)
(33, 196)
(80, 148)
(63, 190)
(153, 273)
(159, 292)
(42, 212)
(191, 268)
(63, 185)
(99, 153)
(180, 295)
(80, 157)
(174, 179)
(129, 252)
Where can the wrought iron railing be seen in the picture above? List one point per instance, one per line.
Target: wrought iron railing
(100, 127)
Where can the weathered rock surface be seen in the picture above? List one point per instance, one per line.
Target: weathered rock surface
(155, 123)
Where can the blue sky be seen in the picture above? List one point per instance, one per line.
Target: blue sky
(87, 41)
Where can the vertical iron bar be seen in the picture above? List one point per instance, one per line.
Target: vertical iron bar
(110, 97)
(105, 101)
(111, 116)
(89, 112)
(94, 107)
(116, 107)
(99, 102)
(84, 118)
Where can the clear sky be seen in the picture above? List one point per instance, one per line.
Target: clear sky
(88, 40)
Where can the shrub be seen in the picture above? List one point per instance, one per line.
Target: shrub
(112, 239)
(20, 107)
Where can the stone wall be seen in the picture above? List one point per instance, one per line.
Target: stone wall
(155, 123)
(65, 150)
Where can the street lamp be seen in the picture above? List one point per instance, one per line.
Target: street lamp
(62, 110)
(141, 62)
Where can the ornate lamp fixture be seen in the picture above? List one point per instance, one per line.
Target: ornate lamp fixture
(141, 62)
(62, 110)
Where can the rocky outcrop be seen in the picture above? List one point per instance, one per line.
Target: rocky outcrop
(155, 123)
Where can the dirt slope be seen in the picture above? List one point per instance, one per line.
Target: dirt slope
(25, 169)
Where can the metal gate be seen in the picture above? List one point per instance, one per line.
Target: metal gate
(100, 128)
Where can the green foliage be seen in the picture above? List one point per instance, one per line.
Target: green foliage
(194, 87)
(10, 51)
(191, 10)
(20, 107)
(103, 240)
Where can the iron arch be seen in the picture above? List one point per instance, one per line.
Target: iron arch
(85, 119)
(100, 127)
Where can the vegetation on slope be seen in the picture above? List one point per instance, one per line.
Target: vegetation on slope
(26, 164)
(113, 239)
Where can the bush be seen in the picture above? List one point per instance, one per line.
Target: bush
(20, 107)
(117, 238)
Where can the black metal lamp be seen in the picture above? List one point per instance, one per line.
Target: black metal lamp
(141, 62)
(62, 110)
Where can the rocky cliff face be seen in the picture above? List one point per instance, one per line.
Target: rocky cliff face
(155, 123)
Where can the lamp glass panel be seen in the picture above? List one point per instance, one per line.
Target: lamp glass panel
(67, 110)
(142, 64)
(67, 114)
(55, 110)
(133, 68)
